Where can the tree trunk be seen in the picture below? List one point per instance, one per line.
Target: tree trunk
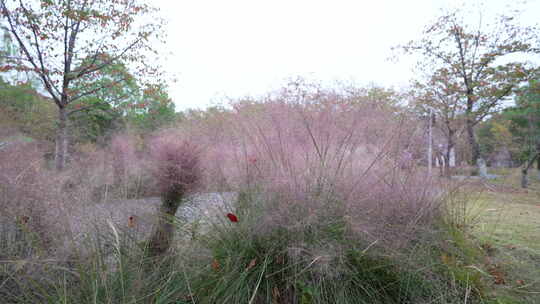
(452, 160)
(163, 235)
(61, 148)
(524, 178)
(538, 165)
(475, 147)
(448, 155)
(525, 171)
(538, 159)
(470, 122)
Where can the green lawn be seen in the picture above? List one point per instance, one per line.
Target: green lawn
(510, 223)
(507, 223)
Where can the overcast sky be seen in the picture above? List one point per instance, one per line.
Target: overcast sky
(236, 48)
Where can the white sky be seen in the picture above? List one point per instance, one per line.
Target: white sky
(236, 48)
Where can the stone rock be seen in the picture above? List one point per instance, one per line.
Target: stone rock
(482, 168)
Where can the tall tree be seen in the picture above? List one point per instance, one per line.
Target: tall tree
(476, 60)
(66, 40)
(438, 96)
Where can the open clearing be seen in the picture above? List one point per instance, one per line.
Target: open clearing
(507, 223)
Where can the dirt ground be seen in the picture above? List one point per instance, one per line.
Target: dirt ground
(137, 216)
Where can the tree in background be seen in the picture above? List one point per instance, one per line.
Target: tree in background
(8, 52)
(438, 97)
(68, 40)
(23, 109)
(153, 110)
(472, 57)
(95, 121)
(97, 115)
(525, 118)
(495, 135)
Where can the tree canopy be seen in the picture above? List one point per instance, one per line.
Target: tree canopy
(472, 63)
(63, 42)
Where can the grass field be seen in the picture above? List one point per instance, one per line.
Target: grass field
(490, 257)
(507, 223)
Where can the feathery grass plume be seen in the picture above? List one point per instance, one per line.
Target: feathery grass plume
(121, 150)
(332, 208)
(25, 193)
(322, 153)
(332, 202)
(129, 178)
(176, 168)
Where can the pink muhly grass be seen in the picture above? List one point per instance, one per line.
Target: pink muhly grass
(321, 155)
(29, 191)
(122, 149)
(176, 169)
(20, 166)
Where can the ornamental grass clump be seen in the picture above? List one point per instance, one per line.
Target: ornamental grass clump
(333, 206)
(27, 195)
(177, 172)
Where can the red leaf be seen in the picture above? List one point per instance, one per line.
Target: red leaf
(232, 217)
(215, 265)
(131, 221)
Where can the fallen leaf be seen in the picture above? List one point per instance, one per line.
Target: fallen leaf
(497, 275)
(131, 221)
(232, 217)
(215, 265)
(499, 280)
(23, 219)
(251, 264)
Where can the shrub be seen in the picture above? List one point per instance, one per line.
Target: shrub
(177, 171)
